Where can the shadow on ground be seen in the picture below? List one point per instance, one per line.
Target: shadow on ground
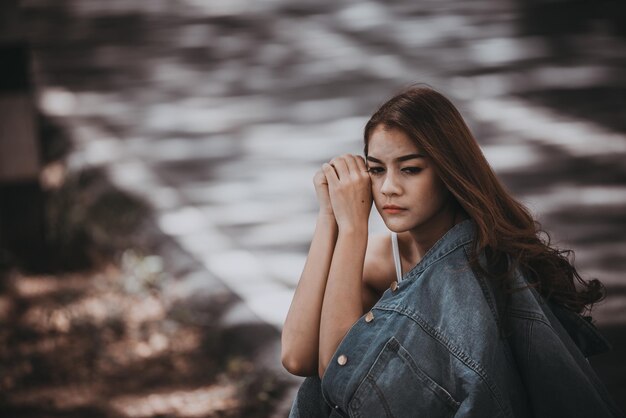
(77, 345)
(93, 331)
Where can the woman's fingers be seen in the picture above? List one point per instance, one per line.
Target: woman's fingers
(320, 178)
(360, 162)
(352, 165)
(331, 174)
(341, 167)
(349, 164)
(346, 166)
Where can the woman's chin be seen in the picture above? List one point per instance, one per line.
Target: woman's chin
(395, 226)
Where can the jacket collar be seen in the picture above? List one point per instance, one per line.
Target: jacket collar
(584, 334)
(460, 234)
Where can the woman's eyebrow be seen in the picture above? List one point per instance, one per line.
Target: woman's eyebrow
(399, 159)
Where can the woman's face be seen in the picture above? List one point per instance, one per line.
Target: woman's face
(402, 176)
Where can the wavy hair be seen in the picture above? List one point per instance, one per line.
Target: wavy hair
(506, 232)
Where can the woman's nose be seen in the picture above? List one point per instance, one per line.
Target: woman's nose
(390, 185)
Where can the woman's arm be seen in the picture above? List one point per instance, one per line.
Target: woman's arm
(343, 301)
(350, 195)
(300, 335)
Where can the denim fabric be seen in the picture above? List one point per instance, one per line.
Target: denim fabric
(434, 349)
(309, 402)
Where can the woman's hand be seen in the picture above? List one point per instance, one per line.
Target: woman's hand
(350, 190)
(321, 190)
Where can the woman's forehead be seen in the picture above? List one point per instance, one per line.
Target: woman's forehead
(390, 143)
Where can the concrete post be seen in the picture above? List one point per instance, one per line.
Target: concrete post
(21, 198)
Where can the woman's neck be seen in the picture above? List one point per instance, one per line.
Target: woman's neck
(425, 236)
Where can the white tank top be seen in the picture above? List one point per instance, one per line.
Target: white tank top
(396, 256)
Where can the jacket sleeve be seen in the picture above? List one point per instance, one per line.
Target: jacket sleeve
(559, 380)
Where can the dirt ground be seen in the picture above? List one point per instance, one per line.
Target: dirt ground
(83, 344)
(93, 333)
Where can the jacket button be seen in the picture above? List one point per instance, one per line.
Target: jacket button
(394, 286)
(369, 317)
(342, 359)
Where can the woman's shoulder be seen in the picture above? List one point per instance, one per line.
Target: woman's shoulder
(378, 268)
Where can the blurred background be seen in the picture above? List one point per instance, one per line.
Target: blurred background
(156, 166)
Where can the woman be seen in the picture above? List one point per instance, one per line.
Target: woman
(462, 311)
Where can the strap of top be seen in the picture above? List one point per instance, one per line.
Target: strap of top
(396, 255)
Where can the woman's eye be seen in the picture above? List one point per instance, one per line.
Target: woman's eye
(375, 170)
(412, 170)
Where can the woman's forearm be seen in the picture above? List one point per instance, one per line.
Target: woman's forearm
(300, 335)
(343, 304)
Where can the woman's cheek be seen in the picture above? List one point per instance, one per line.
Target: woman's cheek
(378, 202)
(376, 191)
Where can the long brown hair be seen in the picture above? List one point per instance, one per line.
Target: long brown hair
(506, 232)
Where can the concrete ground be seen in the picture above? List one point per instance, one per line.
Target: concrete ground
(219, 114)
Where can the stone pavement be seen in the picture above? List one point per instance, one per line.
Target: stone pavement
(219, 114)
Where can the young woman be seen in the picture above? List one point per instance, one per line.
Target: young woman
(463, 310)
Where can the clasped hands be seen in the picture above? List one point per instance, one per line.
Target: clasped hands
(344, 190)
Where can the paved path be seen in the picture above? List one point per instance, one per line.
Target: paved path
(219, 113)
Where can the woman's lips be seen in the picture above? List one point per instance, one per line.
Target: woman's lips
(393, 209)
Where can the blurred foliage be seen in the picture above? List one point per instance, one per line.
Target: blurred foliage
(53, 140)
(90, 222)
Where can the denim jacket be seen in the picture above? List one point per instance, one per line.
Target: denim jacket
(431, 347)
